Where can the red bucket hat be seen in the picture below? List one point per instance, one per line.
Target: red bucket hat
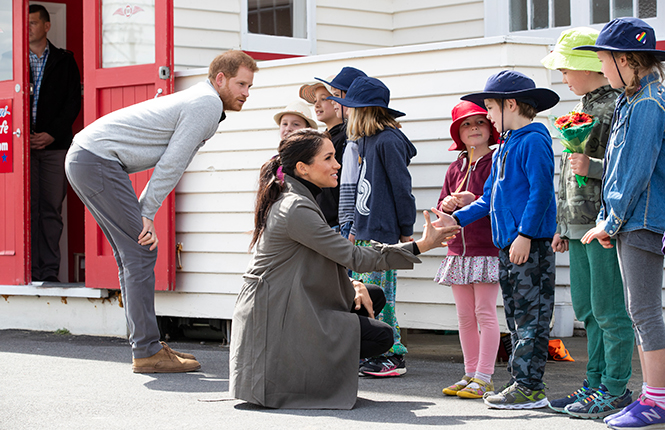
(460, 112)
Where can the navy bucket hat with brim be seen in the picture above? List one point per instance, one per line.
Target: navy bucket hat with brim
(367, 92)
(509, 84)
(344, 78)
(626, 35)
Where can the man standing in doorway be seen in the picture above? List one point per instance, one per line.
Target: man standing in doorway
(55, 103)
(163, 133)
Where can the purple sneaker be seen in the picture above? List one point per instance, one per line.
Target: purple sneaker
(644, 415)
(609, 418)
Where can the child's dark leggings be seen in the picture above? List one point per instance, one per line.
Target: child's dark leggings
(528, 300)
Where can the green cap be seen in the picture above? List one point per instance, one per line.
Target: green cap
(563, 56)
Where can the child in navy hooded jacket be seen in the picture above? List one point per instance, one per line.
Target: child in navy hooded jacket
(385, 208)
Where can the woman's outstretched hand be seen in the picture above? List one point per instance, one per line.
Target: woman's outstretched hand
(437, 233)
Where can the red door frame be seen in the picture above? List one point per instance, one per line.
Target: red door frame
(15, 186)
(109, 89)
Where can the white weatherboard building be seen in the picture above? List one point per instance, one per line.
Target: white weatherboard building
(429, 53)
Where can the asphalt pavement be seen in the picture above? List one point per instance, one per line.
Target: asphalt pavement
(56, 381)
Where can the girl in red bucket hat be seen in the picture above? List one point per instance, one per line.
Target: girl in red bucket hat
(471, 267)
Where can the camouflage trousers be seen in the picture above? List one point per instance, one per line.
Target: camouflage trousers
(528, 300)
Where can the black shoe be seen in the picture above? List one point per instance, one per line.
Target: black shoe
(51, 278)
(385, 366)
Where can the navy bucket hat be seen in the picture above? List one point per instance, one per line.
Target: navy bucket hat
(509, 84)
(344, 78)
(626, 35)
(366, 92)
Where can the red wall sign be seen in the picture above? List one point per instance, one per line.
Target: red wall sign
(6, 135)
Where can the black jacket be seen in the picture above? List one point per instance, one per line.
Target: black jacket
(328, 200)
(59, 98)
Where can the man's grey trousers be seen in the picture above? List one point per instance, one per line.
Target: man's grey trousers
(106, 190)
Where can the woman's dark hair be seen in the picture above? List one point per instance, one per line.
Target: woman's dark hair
(301, 145)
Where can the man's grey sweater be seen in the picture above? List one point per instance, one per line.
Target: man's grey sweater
(164, 133)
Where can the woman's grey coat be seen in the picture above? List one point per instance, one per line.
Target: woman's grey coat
(294, 342)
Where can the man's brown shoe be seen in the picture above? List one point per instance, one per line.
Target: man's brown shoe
(179, 354)
(165, 361)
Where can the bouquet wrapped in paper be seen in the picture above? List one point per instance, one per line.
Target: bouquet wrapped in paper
(573, 130)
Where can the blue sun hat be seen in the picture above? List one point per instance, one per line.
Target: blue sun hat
(344, 78)
(509, 84)
(626, 35)
(366, 92)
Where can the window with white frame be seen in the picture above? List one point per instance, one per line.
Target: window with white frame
(279, 26)
(542, 14)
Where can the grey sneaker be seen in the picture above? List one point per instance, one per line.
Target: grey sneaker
(517, 397)
(600, 404)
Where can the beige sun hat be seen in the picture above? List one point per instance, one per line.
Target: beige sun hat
(300, 108)
(308, 91)
(564, 57)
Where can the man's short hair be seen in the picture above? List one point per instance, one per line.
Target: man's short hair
(43, 13)
(229, 63)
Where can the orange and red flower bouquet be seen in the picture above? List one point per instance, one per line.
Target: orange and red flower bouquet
(573, 130)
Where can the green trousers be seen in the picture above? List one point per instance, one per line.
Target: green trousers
(598, 301)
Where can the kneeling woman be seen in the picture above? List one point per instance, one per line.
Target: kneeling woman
(300, 324)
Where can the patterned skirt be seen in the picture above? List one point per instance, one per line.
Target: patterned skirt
(460, 270)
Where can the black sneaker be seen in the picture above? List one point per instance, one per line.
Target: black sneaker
(560, 404)
(384, 366)
(600, 404)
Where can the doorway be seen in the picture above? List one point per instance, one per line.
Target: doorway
(67, 33)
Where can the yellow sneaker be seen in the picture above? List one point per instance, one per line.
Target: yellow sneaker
(476, 389)
(453, 389)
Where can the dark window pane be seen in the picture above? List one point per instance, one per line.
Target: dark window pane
(623, 8)
(561, 13)
(647, 8)
(600, 11)
(518, 16)
(271, 17)
(540, 14)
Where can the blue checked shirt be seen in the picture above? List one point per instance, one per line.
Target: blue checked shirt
(37, 65)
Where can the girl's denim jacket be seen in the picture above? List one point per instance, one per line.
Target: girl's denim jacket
(634, 169)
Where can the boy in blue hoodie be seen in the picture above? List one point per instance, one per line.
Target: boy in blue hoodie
(519, 197)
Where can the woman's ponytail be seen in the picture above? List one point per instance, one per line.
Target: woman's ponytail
(270, 188)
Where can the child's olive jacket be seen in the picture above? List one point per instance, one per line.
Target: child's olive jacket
(577, 207)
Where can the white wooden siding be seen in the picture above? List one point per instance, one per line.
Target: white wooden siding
(214, 200)
(204, 28)
(437, 21)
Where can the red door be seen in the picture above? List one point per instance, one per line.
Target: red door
(127, 58)
(14, 168)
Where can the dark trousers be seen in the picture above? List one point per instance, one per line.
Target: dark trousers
(48, 187)
(376, 337)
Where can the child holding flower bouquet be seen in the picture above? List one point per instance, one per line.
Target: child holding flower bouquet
(595, 280)
(633, 201)
(471, 267)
